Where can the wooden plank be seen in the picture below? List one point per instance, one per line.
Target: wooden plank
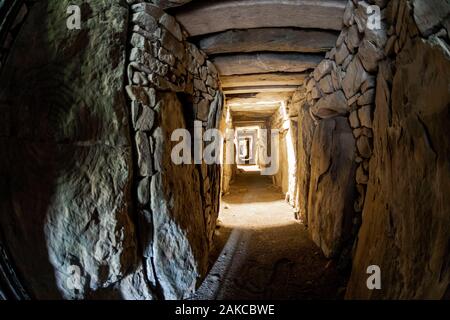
(217, 16)
(288, 78)
(265, 63)
(268, 39)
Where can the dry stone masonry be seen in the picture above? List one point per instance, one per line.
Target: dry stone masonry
(342, 87)
(92, 206)
(88, 175)
(389, 87)
(406, 220)
(170, 84)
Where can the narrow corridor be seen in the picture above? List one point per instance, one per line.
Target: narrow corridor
(262, 252)
(132, 133)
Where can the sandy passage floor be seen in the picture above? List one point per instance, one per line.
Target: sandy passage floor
(262, 252)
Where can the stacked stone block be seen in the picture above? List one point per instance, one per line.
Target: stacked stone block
(164, 71)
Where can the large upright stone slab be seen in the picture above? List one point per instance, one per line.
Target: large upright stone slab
(65, 170)
(180, 243)
(332, 188)
(406, 217)
(305, 138)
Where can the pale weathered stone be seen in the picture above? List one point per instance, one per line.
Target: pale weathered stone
(428, 14)
(145, 163)
(370, 55)
(180, 250)
(332, 187)
(349, 14)
(354, 120)
(143, 95)
(362, 131)
(197, 54)
(354, 78)
(336, 76)
(144, 118)
(203, 109)
(367, 97)
(175, 47)
(353, 38)
(311, 83)
(315, 93)
(171, 25)
(405, 221)
(365, 116)
(352, 100)
(377, 37)
(326, 84)
(151, 9)
(361, 15)
(323, 69)
(331, 105)
(267, 39)
(166, 56)
(341, 54)
(144, 20)
(305, 138)
(143, 191)
(368, 84)
(361, 176)
(346, 62)
(211, 82)
(69, 161)
(364, 147)
(214, 17)
(200, 85)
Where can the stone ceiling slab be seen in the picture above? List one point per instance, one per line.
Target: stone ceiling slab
(204, 17)
(265, 62)
(268, 39)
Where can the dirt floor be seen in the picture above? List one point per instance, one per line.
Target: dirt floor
(262, 252)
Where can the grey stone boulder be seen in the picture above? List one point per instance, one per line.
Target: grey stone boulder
(331, 105)
(356, 75)
(332, 188)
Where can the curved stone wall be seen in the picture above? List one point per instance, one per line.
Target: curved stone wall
(90, 202)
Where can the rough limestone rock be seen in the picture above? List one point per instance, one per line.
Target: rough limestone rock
(180, 244)
(370, 55)
(341, 54)
(331, 105)
(65, 170)
(305, 138)
(323, 69)
(405, 228)
(354, 78)
(428, 14)
(332, 188)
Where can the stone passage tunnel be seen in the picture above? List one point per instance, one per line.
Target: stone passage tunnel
(334, 115)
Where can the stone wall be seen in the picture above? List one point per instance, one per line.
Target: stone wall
(229, 166)
(12, 16)
(171, 84)
(66, 153)
(91, 204)
(376, 196)
(305, 132)
(285, 177)
(406, 216)
(343, 87)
